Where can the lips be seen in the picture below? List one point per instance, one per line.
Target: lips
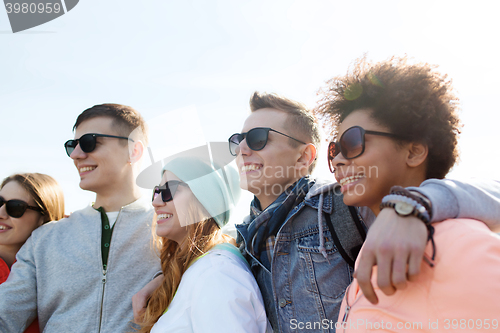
(250, 167)
(351, 179)
(85, 169)
(164, 216)
(4, 227)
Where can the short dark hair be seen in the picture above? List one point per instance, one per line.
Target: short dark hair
(413, 100)
(125, 118)
(300, 118)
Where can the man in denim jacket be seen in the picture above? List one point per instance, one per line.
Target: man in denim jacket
(286, 240)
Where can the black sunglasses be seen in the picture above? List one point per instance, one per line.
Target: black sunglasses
(256, 139)
(87, 142)
(351, 144)
(167, 190)
(17, 208)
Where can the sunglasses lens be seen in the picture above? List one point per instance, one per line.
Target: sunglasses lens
(15, 208)
(87, 143)
(351, 143)
(332, 152)
(257, 138)
(167, 192)
(234, 142)
(70, 146)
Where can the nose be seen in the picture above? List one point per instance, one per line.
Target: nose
(243, 148)
(78, 153)
(158, 202)
(3, 212)
(338, 161)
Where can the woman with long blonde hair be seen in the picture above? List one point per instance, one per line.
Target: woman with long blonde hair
(27, 200)
(207, 284)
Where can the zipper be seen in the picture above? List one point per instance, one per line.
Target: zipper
(104, 272)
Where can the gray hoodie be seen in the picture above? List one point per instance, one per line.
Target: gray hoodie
(59, 274)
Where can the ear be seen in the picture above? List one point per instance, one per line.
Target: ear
(135, 151)
(307, 157)
(417, 154)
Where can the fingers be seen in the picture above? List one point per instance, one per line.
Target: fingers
(363, 274)
(384, 270)
(415, 261)
(399, 270)
(139, 302)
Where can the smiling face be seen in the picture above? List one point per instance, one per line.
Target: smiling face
(174, 217)
(105, 169)
(15, 231)
(367, 178)
(268, 172)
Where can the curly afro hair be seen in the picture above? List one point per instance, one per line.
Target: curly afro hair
(413, 100)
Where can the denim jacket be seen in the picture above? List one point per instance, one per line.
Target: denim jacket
(305, 286)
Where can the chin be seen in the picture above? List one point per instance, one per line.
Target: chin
(351, 199)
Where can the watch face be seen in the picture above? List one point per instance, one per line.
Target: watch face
(403, 208)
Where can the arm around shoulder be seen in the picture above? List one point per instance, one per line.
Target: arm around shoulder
(476, 199)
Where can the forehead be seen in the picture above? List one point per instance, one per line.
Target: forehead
(363, 118)
(100, 125)
(12, 190)
(272, 118)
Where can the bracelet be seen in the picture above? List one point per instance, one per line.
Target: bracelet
(417, 197)
(420, 209)
(398, 208)
(397, 194)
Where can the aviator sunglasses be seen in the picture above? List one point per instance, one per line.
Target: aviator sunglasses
(17, 208)
(256, 139)
(351, 144)
(88, 142)
(167, 190)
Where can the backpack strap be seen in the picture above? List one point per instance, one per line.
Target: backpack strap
(346, 228)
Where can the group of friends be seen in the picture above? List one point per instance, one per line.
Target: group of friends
(389, 245)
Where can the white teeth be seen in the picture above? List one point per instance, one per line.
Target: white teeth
(2, 227)
(164, 216)
(348, 180)
(250, 167)
(85, 169)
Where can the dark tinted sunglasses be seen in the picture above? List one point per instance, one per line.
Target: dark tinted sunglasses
(256, 139)
(351, 144)
(87, 142)
(17, 208)
(167, 190)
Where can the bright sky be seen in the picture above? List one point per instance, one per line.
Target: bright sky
(198, 62)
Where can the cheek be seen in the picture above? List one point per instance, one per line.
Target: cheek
(23, 229)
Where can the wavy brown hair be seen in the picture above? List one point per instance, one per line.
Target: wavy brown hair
(175, 260)
(414, 101)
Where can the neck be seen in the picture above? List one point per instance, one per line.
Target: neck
(267, 196)
(413, 181)
(113, 202)
(8, 253)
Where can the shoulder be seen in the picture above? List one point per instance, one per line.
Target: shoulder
(4, 271)
(466, 249)
(467, 267)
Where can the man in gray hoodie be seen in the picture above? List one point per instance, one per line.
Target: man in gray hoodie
(80, 273)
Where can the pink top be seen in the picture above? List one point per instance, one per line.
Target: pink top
(460, 293)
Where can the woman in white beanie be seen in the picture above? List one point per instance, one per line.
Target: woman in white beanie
(208, 286)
